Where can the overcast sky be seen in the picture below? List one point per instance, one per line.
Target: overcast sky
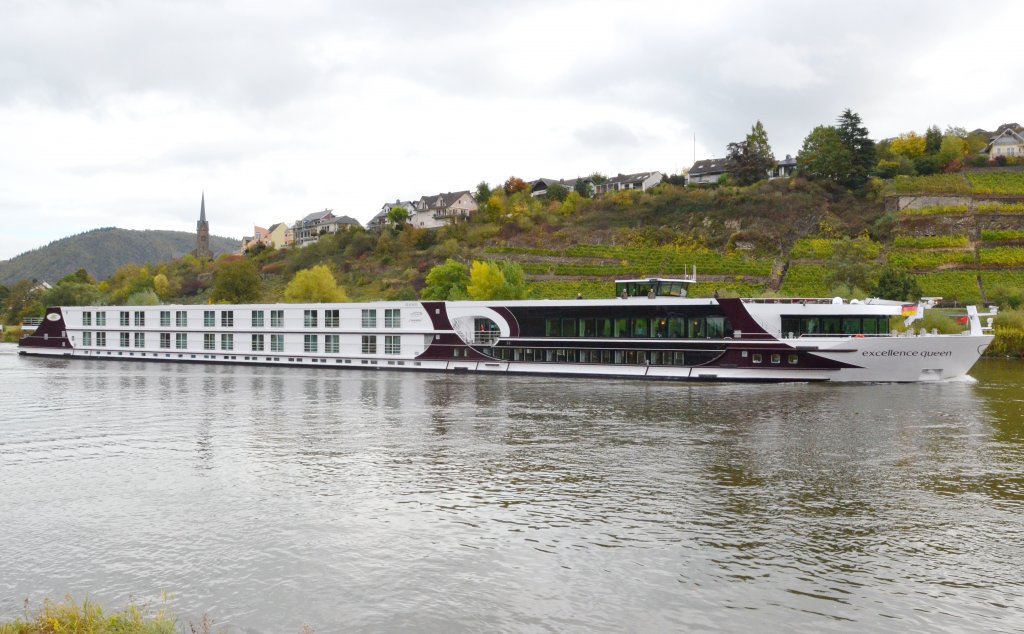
(122, 112)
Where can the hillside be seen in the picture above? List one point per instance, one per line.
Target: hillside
(102, 251)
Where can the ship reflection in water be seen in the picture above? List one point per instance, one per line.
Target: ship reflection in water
(388, 501)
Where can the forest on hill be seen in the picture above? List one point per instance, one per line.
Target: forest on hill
(102, 252)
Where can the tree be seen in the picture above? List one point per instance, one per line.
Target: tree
(851, 264)
(447, 281)
(515, 184)
(483, 193)
(72, 293)
(598, 178)
(897, 285)
(556, 192)
(235, 282)
(932, 140)
(909, 144)
(582, 187)
(398, 216)
(491, 280)
(314, 285)
(752, 158)
(861, 148)
(824, 156)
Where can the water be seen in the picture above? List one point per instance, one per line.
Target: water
(272, 498)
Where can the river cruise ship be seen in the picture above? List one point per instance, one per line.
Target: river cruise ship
(650, 330)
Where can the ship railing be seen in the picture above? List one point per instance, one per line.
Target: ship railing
(485, 338)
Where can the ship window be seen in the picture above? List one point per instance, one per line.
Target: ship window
(209, 342)
(552, 328)
(392, 318)
(209, 318)
(776, 359)
(622, 327)
(369, 318)
(309, 318)
(393, 344)
(870, 326)
(165, 339)
(678, 358)
(227, 318)
(257, 319)
(101, 319)
(124, 340)
(125, 319)
(140, 340)
(257, 343)
(568, 327)
(180, 319)
(369, 344)
(755, 358)
(605, 327)
(332, 318)
(180, 341)
(677, 328)
(697, 327)
(87, 318)
(276, 341)
(276, 319)
(659, 328)
(101, 339)
(793, 359)
(851, 325)
(331, 344)
(830, 325)
(309, 343)
(715, 327)
(140, 318)
(87, 338)
(641, 327)
(165, 319)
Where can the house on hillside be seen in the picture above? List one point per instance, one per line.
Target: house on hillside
(309, 229)
(641, 181)
(259, 237)
(540, 186)
(441, 209)
(280, 235)
(708, 171)
(784, 168)
(1008, 143)
(380, 220)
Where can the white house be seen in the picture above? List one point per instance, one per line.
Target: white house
(1009, 143)
(642, 181)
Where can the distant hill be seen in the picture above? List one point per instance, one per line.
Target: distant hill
(103, 251)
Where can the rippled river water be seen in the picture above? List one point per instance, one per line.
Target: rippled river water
(272, 498)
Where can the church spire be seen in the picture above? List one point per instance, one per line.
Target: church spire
(202, 209)
(202, 250)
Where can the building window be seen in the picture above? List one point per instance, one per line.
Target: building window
(180, 319)
(332, 318)
(331, 343)
(140, 340)
(227, 342)
(209, 341)
(257, 319)
(101, 319)
(392, 344)
(101, 339)
(124, 340)
(165, 319)
(309, 343)
(277, 319)
(257, 343)
(165, 338)
(227, 319)
(140, 318)
(86, 338)
(369, 344)
(87, 318)
(309, 318)
(181, 341)
(392, 317)
(369, 318)
(276, 341)
(209, 318)
(125, 318)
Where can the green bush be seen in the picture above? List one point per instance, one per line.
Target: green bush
(997, 183)
(90, 618)
(932, 242)
(992, 235)
(805, 280)
(1002, 256)
(960, 286)
(997, 208)
(917, 260)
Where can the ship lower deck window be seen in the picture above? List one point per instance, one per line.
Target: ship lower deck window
(257, 343)
(309, 343)
(124, 340)
(392, 344)
(140, 340)
(86, 338)
(165, 339)
(180, 341)
(369, 344)
(276, 342)
(332, 344)
(209, 342)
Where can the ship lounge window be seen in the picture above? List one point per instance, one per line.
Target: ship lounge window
(568, 327)
(257, 319)
(227, 342)
(641, 327)
(276, 341)
(392, 318)
(124, 340)
(180, 319)
(165, 338)
(676, 328)
(588, 328)
(209, 341)
(332, 318)
(369, 319)
(101, 339)
(86, 338)
(392, 344)
(209, 318)
(331, 344)
(622, 327)
(369, 344)
(125, 318)
(309, 343)
(140, 318)
(309, 318)
(101, 319)
(868, 325)
(552, 328)
(227, 318)
(276, 320)
(257, 343)
(87, 318)
(180, 341)
(140, 340)
(165, 319)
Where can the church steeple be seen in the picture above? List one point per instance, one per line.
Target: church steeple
(202, 250)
